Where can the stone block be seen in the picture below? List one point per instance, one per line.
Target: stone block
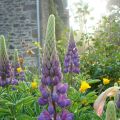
(29, 7)
(35, 33)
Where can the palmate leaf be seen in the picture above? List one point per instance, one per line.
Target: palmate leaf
(25, 101)
(93, 81)
(5, 103)
(24, 117)
(4, 112)
(29, 111)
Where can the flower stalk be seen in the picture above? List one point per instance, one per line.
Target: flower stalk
(71, 61)
(54, 92)
(5, 66)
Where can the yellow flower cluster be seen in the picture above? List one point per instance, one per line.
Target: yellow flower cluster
(30, 52)
(19, 70)
(37, 44)
(34, 85)
(106, 81)
(84, 86)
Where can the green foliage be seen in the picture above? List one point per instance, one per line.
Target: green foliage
(19, 102)
(103, 58)
(82, 104)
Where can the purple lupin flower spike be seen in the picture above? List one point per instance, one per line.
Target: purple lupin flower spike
(53, 91)
(71, 61)
(5, 66)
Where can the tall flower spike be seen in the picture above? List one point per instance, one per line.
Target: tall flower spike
(5, 67)
(71, 61)
(52, 90)
(18, 72)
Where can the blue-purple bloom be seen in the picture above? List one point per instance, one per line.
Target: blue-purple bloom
(6, 71)
(53, 91)
(44, 116)
(71, 61)
(66, 115)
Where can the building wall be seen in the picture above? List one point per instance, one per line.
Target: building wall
(18, 22)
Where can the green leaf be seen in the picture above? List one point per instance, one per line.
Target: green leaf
(93, 81)
(25, 101)
(24, 117)
(4, 111)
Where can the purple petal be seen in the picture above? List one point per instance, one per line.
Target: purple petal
(62, 88)
(42, 101)
(51, 109)
(44, 116)
(67, 116)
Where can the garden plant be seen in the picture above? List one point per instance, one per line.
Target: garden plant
(70, 85)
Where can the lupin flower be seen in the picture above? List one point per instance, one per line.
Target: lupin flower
(71, 61)
(66, 115)
(118, 101)
(100, 101)
(44, 116)
(52, 90)
(18, 72)
(5, 66)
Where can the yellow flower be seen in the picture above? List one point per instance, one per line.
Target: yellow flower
(21, 60)
(106, 81)
(34, 85)
(19, 69)
(84, 86)
(30, 52)
(118, 81)
(37, 44)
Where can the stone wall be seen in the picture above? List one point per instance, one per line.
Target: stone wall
(18, 21)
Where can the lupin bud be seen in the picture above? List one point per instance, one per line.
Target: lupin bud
(44, 116)
(111, 111)
(66, 115)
